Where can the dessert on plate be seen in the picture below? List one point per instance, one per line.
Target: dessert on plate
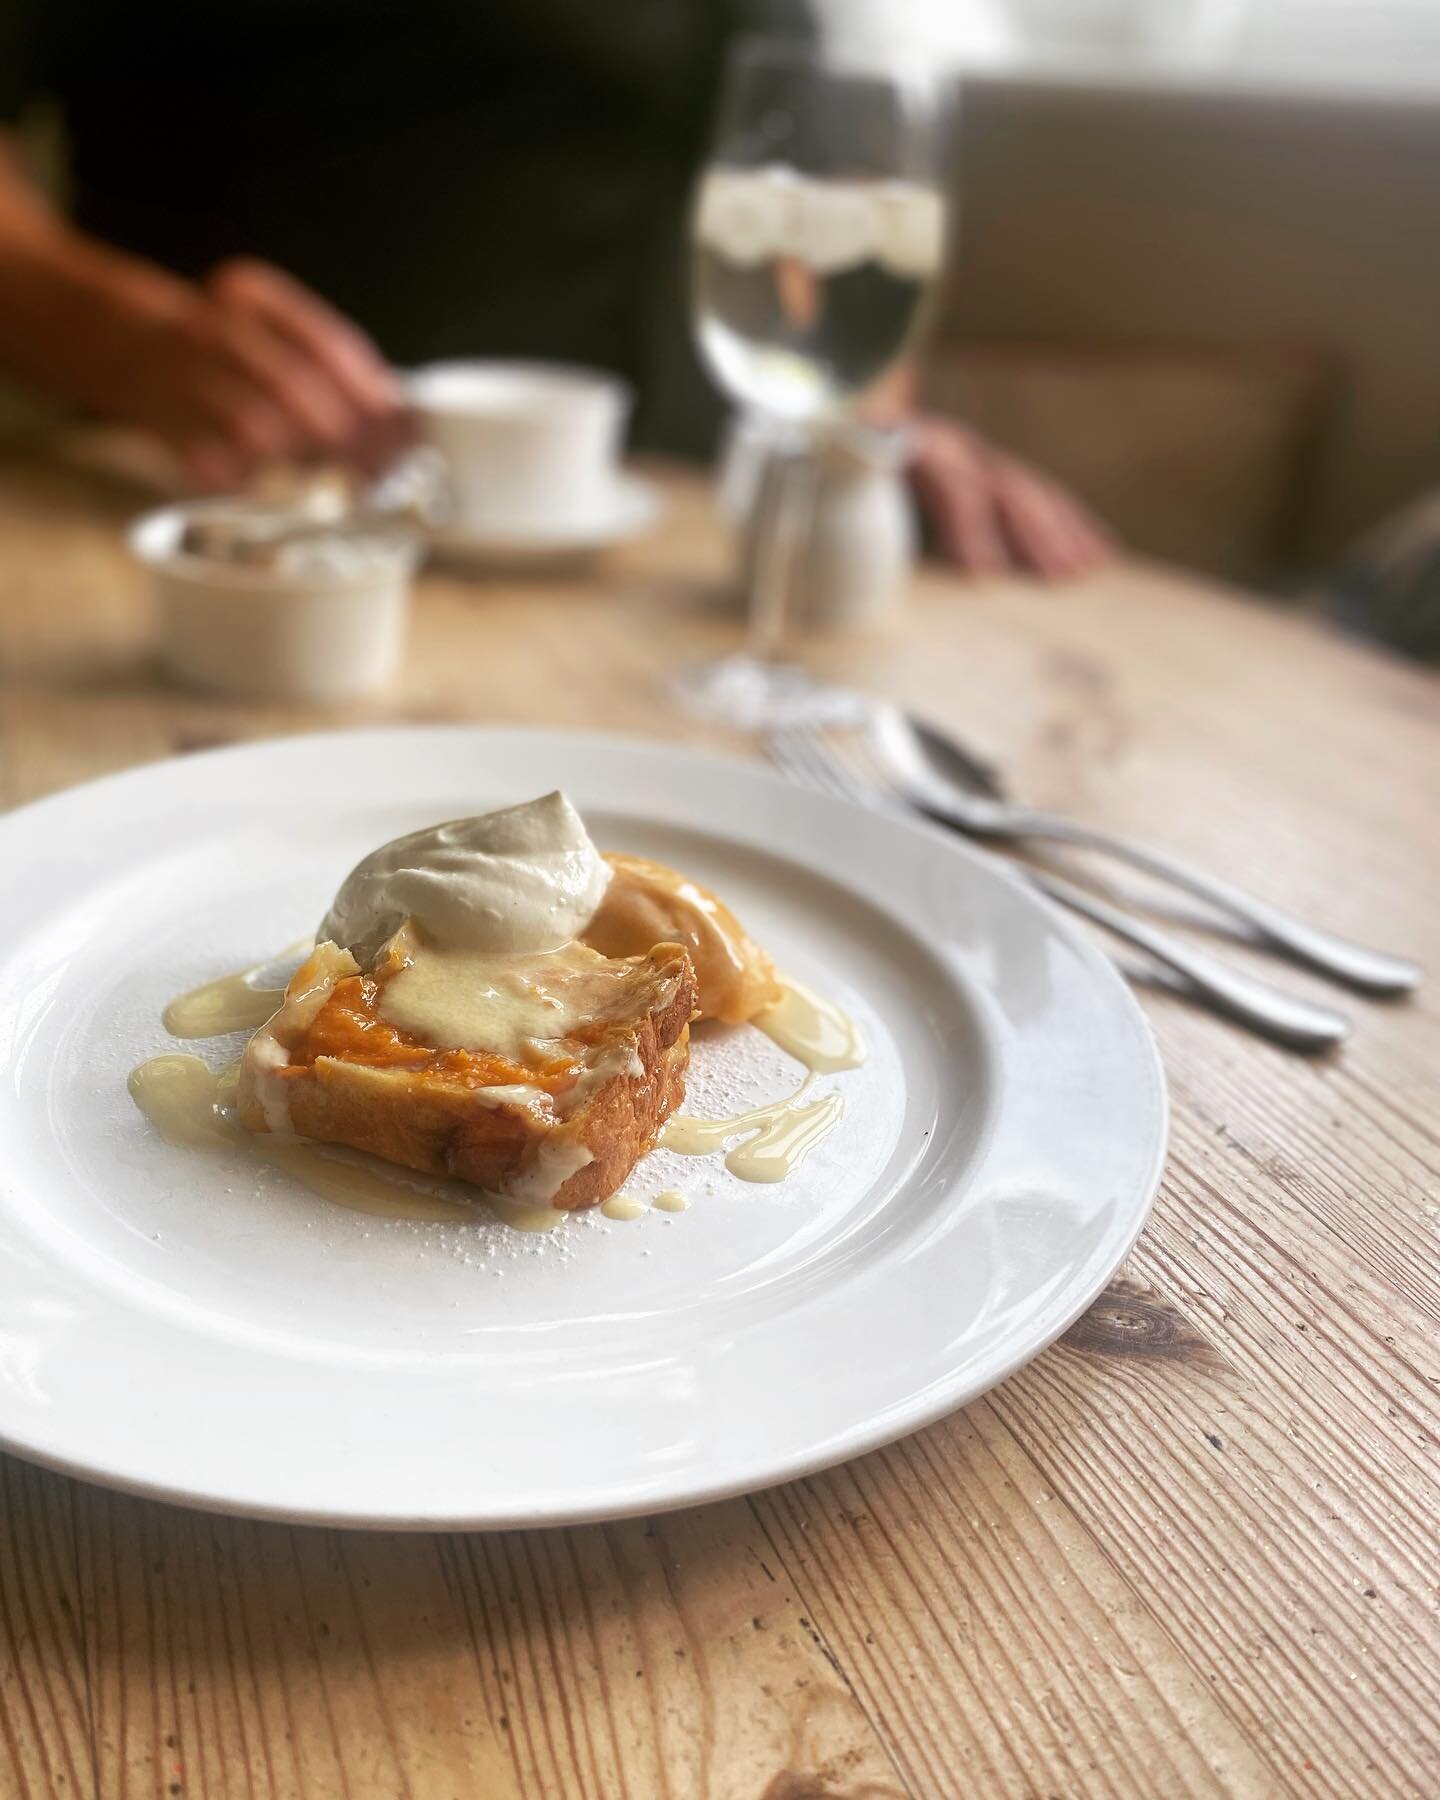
(647, 903)
(491, 999)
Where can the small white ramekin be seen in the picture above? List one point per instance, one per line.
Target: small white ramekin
(321, 635)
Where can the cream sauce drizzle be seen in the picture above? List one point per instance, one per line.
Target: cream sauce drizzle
(352, 1185)
(670, 1202)
(778, 1136)
(785, 1143)
(502, 1001)
(227, 1083)
(229, 1003)
(179, 1096)
(622, 1206)
(184, 1100)
(524, 1218)
(813, 1030)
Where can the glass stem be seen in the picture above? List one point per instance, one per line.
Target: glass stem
(781, 516)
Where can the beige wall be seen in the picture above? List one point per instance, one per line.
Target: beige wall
(1096, 218)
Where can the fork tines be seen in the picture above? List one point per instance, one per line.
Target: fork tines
(808, 755)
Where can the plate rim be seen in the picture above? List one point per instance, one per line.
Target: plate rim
(942, 1399)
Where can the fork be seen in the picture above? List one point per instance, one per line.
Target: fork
(976, 802)
(805, 755)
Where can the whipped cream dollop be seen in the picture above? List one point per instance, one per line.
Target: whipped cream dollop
(524, 878)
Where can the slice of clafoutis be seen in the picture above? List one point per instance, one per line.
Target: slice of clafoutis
(543, 1077)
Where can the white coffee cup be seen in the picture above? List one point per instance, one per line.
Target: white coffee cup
(529, 447)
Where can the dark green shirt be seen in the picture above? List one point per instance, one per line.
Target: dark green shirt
(462, 177)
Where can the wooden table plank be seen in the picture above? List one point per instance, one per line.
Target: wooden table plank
(1191, 1550)
(1011, 1607)
(45, 1728)
(641, 1658)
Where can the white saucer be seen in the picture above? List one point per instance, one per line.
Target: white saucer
(195, 1326)
(633, 508)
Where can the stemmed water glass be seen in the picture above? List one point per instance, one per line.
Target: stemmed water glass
(817, 233)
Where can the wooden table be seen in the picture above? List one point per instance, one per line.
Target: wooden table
(1190, 1550)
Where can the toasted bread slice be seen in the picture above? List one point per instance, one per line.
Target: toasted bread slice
(542, 1078)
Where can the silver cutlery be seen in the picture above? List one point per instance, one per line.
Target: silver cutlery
(804, 754)
(939, 777)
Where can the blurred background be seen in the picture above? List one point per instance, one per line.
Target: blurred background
(1197, 278)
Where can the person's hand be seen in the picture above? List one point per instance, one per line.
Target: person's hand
(245, 368)
(987, 511)
(248, 368)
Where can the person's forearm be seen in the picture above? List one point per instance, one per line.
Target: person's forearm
(244, 367)
(68, 298)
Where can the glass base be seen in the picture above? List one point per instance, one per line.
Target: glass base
(752, 693)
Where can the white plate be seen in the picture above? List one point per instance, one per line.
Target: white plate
(197, 1328)
(633, 508)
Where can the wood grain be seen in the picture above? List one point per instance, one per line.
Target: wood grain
(45, 1733)
(1192, 1550)
(645, 1658)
